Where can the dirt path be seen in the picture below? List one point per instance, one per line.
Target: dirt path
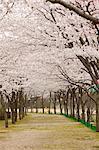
(48, 132)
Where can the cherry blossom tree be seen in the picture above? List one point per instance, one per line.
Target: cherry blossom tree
(37, 37)
(88, 12)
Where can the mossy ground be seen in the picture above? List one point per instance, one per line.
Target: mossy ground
(48, 132)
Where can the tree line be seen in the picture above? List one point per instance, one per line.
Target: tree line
(13, 105)
(75, 102)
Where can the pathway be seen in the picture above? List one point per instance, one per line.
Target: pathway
(48, 132)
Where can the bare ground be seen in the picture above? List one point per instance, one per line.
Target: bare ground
(48, 132)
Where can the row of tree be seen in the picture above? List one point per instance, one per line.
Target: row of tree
(90, 63)
(13, 105)
(74, 102)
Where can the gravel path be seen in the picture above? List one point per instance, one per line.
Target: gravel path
(48, 132)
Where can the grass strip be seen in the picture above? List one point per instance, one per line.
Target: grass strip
(87, 124)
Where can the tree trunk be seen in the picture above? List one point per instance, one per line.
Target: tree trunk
(20, 113)
(23, 112)
(66, 103)
(13, 115)
(88, 114)
(97, 113)
(16, 107)
(4, 109)
(8, 112)
(6, 119)
(49, 111)
(60, 104)
(36, 106)
(54, 108)
(49, 106)
(31, 108)
(55, 104)
(64, 107)
(42, 105)
(78, 112)
(83, 112)
(26, 104)
(73, 106)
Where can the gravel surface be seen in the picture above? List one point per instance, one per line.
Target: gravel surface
(48, 132)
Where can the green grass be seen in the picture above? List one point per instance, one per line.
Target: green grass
(87, 124)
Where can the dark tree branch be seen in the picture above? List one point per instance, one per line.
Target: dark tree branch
(88, 66)
(76, 10)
